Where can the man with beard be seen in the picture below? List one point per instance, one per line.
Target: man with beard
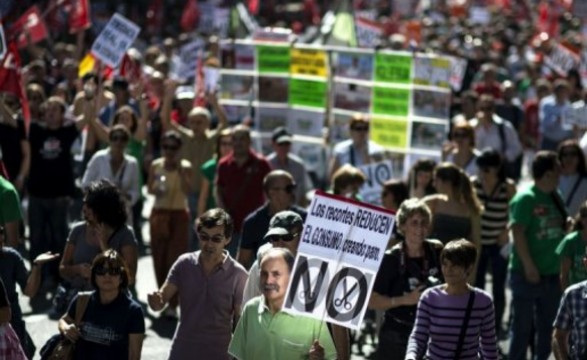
(210, 285)
(267, 332)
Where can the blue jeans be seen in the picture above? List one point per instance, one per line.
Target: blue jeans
(490, 255)
(533, 301)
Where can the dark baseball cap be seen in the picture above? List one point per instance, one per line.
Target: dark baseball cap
(283, 221)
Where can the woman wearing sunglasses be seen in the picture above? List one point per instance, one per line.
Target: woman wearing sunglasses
(113, 164)
(112, 326)
(461, 150)
(573, 180)
(170, 180)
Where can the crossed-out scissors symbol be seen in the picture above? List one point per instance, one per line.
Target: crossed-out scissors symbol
(343, 300)
(307, 294)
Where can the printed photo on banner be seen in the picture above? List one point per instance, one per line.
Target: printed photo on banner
(428, 136)
(339, 130)
(273, 89)
(432, 71)
(432, 104)
(352, 97)
(116, 38)
(377, 174)
(305, 122)
(354, 65)
(340, 251)
(313, 155)
(369, 32)
(390, 133)
(269, 118)
(237, 56)
(237, 86)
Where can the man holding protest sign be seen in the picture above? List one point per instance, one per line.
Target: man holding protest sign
(266, 332)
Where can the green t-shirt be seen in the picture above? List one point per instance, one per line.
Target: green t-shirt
(208, 169)
(544, 229)
(262, 335)
(9, 203)
(573, 247)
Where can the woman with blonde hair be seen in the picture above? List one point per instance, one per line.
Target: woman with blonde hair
(456, 210)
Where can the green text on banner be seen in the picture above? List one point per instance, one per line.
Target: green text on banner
(393, 68)
(309, 93)
(273, 59)
(391, 101)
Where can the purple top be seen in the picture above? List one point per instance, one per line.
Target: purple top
(438, 325)
(207, 306)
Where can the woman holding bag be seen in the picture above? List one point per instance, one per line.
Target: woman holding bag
(112, 326)
(454, 320)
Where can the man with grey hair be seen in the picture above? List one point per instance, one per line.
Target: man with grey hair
(285, 230)
(199, 141)
(279, 188)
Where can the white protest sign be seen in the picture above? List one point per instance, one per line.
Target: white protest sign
(458, 66)
(341, 248)
(207, 14)
(377, 174)
(2, 43)
(117, 37)
(211, 77)
(188, 59)
(479, 15)
(561, 59)
(576, 114)
(368, 32)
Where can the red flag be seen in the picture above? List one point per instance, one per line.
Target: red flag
(32, 22)
(253, 6)
(190, 16)
(11, 79)
(79, 17)
(130, 69)
(200, 83)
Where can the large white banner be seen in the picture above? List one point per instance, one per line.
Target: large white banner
(117, 37)
(340, 252)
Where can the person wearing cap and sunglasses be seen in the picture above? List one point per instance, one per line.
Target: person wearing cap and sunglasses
(281, 158)
(113, 324)
(209, 284)
(358, 150)
(279, 187)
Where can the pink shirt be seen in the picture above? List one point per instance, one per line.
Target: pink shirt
(207, 307)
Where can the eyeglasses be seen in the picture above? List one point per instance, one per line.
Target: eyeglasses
(101, 271)
(360, 128)
(288, 189)
(170, 147)
(119, 138)
(285, 238)
(215, 239)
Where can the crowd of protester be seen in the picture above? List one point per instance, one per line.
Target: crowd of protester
(226, 219)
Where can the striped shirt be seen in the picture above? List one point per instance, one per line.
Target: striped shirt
(438, 325)
(494, 218)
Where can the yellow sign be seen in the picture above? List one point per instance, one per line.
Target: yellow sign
(390, 133)
(309, 62)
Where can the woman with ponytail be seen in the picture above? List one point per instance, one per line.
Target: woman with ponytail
(456, 210)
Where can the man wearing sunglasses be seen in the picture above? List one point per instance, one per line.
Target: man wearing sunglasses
(285, 229)
(282, 158)
(279, 188)
(209, 284)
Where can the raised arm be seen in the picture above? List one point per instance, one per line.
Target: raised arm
(219, 110)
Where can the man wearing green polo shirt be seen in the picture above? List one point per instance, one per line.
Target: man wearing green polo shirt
(266, 332)
(10, 213)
